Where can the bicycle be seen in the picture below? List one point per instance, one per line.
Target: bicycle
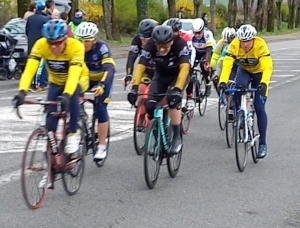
(160, 129)
(54, 160)
(91, 129)
(244, 129)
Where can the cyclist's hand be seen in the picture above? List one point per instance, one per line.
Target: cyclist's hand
(99, 90)
(222, 86)
(132, 95)
(174, 97)
(19, 99)
(127, 80)
(207, 66)
(64, 100)
(262, 88)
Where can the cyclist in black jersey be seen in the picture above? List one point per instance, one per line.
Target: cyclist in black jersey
(145, 29)
(172, 58)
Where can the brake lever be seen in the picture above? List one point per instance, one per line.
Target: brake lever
(16, 109)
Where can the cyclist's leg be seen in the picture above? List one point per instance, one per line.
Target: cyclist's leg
(242, 80)
(262, 118)
(103, 119)
(175, 115)
(207, 80)
(73, 138)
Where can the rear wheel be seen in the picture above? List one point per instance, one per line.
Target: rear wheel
(35, 166)
(174, 161)
(152, 154)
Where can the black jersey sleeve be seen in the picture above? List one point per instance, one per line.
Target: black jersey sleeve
(134, 50)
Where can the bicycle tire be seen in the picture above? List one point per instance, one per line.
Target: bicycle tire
(220, 108)
(139, 150)
(151, 183)
(40, 201)
(229, 126)
(254, 148)
(185, 115)
(68, 165)
(237, 127)
(173, 171)
(202, 98)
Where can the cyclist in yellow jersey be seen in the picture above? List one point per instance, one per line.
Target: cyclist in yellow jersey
(255, 66)
(101, 72)
(64, 59)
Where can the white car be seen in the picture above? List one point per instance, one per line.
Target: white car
(186, 25)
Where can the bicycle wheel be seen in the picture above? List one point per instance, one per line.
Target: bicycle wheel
(254, 148)
(222, 111)
(202, 98)
(73, 167)
(152, 154)
(99, 163)
(229, 128)
(240, 132)
(185, 121)
(173, 162)
(139, 129)
(32, 167)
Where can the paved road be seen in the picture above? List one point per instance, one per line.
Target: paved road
(208, 192)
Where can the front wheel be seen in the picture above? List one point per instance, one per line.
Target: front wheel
(202, 98)
(152, 154)
(222, 111)
(139, 128)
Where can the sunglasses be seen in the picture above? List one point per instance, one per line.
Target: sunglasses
(144, 36)
(198, 33)
(56, 42)
(87, 40)
(163, 46)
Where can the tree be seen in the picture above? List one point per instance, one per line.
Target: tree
(259, 15)
(172, 8)
(197, 8)
(142, 7)
(213, 15)
(110, 24)
(278, 14)
(297, 20)
(292, 6)
(247, 11)
(22, 7)
(232, 11)
(270, 16)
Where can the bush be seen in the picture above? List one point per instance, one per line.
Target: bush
(10, 11)
(126, 14)
(285, 12)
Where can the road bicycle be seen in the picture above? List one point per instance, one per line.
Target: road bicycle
(244, 132)
(53, 162)
(158, 140)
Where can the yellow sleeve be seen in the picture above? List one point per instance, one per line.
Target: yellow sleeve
(228, 60)
(138, 74)
(84, 80)
(216, 54)
(184, 70)
(266, 63)
(32, 65)
(75, 68)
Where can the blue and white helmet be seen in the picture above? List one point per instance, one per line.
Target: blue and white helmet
(246, 32)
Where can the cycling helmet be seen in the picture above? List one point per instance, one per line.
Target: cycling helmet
(228, 34)
(175, 23)
(162, 34)
(55, 29)
(40, 5)
(86, 30)
(246, 32)
(146, 27)
(198, 25)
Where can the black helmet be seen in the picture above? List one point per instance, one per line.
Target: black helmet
(162, 34)
(146, 27)
(175, 23)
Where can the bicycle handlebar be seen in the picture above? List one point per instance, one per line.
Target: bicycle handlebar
(233, 90)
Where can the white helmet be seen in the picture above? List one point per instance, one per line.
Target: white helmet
(246, 32)
(228, 34)
(86, 30)
(198, 25)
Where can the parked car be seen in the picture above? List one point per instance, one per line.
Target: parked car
(16, 28)
(186, 25)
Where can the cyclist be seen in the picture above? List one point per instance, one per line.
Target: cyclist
(255, 66)
(176, 25)
(145, 29)
(101, 71)
(172, 57)
(64, 59)
(204, 42)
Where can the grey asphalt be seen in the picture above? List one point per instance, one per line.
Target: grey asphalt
(208, 192)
